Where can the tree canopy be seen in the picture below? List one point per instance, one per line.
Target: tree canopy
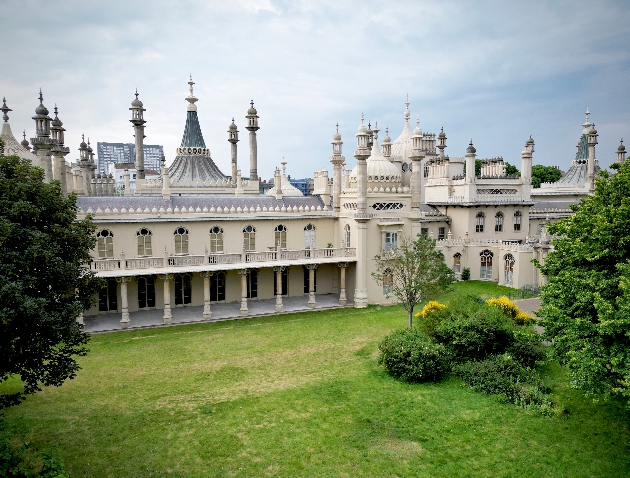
(544, 174)
(44, 281)
(510, 169)
(586, 303)
(412, 271)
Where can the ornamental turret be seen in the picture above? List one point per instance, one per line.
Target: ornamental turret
(42, 141)
(138, 122)
(442, 142)
(252, 127)
(5, 109)
(416, 156)
(592, 141)
(470, 163)
(526, 161)
(59, 151)
(387, 144)
(86, 167)
(233, 139)
(338, 161)
(621, 153)
(25, 144)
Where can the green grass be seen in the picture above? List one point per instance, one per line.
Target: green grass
(302, 395)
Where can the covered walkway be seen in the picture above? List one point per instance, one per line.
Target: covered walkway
(193, 314)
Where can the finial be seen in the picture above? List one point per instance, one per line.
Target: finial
(136, 93)
(587, 114)
(442, 129)
(407, 113)
(55, 110)
(337, 126)
(5, 109)
(232, 119)
(284, 166)
(361, 117)
(407, 102)
(417, 120)
(83, 138)
(619, 141)
(387, 130)
(470, 144)
(24, 136)
(41, 97)
(252, 103)
(369, 125)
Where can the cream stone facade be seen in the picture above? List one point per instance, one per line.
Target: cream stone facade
(196, 236)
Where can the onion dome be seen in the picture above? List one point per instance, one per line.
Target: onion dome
(56, 122)
(417, 131)
(136, 103)
(337, 136)
(252, 110)
(471, 149)
(5, 109)
(387, 139)
(41, 109)
(89, 148)
(83, 145)
(232, 126)
(621, 147)
(442, 133)
(381, 173)
(362, 128)
(593, 130)
(25, 142)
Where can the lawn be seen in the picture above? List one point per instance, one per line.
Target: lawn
(302, 395)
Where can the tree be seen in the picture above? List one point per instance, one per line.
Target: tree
(544, 174)
(412, 271)
(44, 281)
(510, 169)
(586, 303)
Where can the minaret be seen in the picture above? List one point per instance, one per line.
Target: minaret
(233, 139)
(592, 141)
(416, 156)
(86, 170)
(470, 163)
(526, 161)
(361, 217)
(252, 127)
(338, 161)
(137, 120)
(42, 141)
(387, 144)
(441, 142)
(5, 109)
(59, 151)
(621, 153)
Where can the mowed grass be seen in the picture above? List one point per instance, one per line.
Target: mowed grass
(302, 395)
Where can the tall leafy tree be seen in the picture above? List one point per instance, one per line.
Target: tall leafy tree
(586, 303)
(544, 174)
(44, 279)
(412, 271)
(510, 169)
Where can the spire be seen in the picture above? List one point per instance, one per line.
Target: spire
(192, 132)
(5, 109)
(191, 97)
(407, 112)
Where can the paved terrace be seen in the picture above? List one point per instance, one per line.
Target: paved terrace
(194, 314)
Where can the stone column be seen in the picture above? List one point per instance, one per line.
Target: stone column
(360, 292)
(243, 274)
(207, 314)
(124, 321)
(311, 284)
(278, 270)
(168, 317)
(342, 283)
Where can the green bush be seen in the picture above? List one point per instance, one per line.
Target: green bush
(410, 356)
(471, 330)
(503, 376)
(526, 354)
(19, 458)
(466, 273)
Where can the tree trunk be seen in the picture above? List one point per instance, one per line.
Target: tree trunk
(411, 318)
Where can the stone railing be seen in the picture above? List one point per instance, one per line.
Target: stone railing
(224, 258)
(186, 260)
(144, 262)
(105, 264)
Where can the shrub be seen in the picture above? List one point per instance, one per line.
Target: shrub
(432, 306)
(526, 354)
(503, 376)
(511, 310)
(19, 458)
(472, 331)
(410, 356)
(466, 273)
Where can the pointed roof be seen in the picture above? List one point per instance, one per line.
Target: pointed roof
(192, 132)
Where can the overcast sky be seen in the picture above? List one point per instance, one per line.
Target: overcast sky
(495, 72)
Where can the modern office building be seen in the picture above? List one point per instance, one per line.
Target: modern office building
(122, 153)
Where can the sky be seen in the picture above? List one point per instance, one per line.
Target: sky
(491, 71)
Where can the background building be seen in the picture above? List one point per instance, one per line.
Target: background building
(114, 153)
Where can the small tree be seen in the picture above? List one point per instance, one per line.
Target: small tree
(44, 281)
(544, 174)
(413, 270)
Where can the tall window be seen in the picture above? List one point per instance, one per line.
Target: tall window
(249, 238)
(183, 289)
(309, 237)
(391, 240)
(108, 296)
(485, 272)
(105, 239)
(216, 239)
(457, 263)
(479, 222)
(347, 231)
(388, 281)
(426, 170)
(181, 240)
(442, 233)
(498, 222)
(252, 284)
(517, 221)
(509, 269)
(144, 242)
(146, 292)
(280, 237)
(217, 287)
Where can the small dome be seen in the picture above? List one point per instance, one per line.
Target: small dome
(621, 147)
(137, 103)
(83, 145)
(387, 139)
(337, 136)
(442, 134)
(232, 126)
(471, 149)
(417, 131)
(252, 110)
(593, 130)
(530, 141)
(41, 110)
(25, 142)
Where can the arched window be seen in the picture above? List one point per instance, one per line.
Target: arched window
(280, 237)
(517, 220)
(309, 237)
(216, 240)
(479, 222)
(181, 240)
(457, 263)
(108, 297)
(509, 269)
(105, 239)
(498, 222)
(249, 238)
(183, 289)
(388, 281)
(144, 242)
(146, 292)
(347, 235)
(485, 272)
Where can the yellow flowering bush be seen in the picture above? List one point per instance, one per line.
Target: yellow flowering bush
(511, 310)
(432, 306)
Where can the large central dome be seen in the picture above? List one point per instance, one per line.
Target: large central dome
(381, 173)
